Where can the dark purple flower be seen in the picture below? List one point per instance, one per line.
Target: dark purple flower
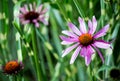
(33, 15)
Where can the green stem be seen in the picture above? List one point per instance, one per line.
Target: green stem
(102, 11)
(90, 72)
(35, 50)
(102, 21)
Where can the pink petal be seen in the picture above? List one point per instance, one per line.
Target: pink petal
(30, 5)
(43, 20)
(75, 54)
(88, 55)
(37, 24)
(71, 34)
(66, 43)
(82, 52)
(92, 25)
(74, 29)
(82, 25)
(100, 54)
(26, 8)
(69, 39)
(39, 8)
(69, 49)
(102, 32)
(87, 59)
(44, 11)
(25, 22)
(94, 22)
(102, 44)
(23, 10)
(41, 16)
(34, 21)
(21, 16)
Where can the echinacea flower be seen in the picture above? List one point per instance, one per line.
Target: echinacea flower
(33, 15)
(12, 67)
(84, 41)
(115, 74)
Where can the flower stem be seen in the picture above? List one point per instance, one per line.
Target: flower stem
(35, 50)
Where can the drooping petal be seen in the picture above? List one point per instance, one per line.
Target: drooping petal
(74, 29)
(66, 43)
(69, 49)
(75, 54)
(88, 55)
(83, 51)
(100, 54)
(102, 44)
(69, 39)
(82, 25)
(87, 59)
(102, 32)
(71, 34)
(43, 20)
(25, 21)
(37, 24)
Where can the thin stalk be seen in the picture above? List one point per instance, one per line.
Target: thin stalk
(79, 8)
(91, 8)
(35, 50)
(62, 9)
(19, 49)
(102, 21)
(90, 72)
(102, 12)
(50, 64)
(10, 78)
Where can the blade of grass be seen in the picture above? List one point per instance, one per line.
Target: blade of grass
(79, 8)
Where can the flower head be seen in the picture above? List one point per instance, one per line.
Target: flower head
(115, 74)
(84, 41)
(33, 15)
(12, 67)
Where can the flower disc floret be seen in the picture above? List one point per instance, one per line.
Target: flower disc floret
(85, 39)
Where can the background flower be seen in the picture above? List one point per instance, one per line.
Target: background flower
(33, 15)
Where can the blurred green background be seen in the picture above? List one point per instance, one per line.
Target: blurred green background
(16, 41)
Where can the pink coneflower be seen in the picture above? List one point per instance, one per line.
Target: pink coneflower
(33, 15)
(84, 41)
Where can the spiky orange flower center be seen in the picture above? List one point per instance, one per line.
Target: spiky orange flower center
(11, 67)
(85, 39)
(31, 16)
